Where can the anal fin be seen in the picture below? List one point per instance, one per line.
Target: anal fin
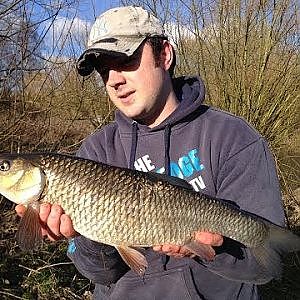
(133, 258)
(204, 251)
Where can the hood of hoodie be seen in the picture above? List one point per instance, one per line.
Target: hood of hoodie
(190, 91)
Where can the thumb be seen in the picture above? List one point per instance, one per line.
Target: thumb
(20, 210)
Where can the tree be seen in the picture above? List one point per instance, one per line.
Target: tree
(19, 45)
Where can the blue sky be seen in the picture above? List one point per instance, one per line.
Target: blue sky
(65, 35)
(89, 9)
(75, 18)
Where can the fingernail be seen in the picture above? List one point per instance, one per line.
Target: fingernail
(56, 209)
(167, 248)
(44, 205)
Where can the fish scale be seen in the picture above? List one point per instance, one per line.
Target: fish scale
(119, 190)
(125, 208)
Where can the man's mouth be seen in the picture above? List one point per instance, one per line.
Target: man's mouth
(125, 97)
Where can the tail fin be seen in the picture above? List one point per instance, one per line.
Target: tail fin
(269, 255)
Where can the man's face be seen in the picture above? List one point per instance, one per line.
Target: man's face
(138, 86)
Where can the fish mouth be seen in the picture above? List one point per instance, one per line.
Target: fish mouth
(23, 183)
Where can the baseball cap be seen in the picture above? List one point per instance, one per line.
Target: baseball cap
(117, 32)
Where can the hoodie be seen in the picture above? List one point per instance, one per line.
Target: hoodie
(220, 155)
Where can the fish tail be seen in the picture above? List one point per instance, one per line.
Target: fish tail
(279, 242)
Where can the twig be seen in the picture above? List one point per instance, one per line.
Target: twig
(54, 265)
(12, 295)
(31, 270)
(44, 267)
(73, 294)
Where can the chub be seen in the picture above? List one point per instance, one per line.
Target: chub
(129, 209)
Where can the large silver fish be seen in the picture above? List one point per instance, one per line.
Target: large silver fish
(128, 209)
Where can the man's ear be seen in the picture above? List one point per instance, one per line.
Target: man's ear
(167, 55)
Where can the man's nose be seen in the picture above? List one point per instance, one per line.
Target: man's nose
(115, 78)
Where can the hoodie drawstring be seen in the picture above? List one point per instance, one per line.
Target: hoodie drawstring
(167, 131)
(167, 148)
(133, 144)
(134, 137)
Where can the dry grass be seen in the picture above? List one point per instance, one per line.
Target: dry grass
(45, 273)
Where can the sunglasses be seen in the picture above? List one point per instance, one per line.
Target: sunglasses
(119, 63)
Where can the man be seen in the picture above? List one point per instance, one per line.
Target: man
(162, 126)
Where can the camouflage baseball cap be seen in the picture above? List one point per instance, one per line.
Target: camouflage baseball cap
(117, 32)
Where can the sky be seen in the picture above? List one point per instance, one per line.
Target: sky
(65, 34)
(89, 9)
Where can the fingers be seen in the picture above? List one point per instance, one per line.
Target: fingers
(209, 238)
(55, 223)
(173, 250)
(166, 248)
(157, 248)
(170, 249)
(59, 224)
(20, 209)
(45, 209)
(66, 226)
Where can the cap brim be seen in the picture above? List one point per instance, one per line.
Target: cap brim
(106, 50)
(125, 45)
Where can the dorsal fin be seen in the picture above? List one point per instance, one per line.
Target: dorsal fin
(202, 250)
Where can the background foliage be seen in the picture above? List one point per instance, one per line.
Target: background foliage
(247, 52)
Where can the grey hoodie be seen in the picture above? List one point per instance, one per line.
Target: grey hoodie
(219, 154)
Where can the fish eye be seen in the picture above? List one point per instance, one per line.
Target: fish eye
(4, 165)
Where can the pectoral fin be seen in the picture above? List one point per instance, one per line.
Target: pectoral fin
(202, 250)
(29, 233)
(133, 258)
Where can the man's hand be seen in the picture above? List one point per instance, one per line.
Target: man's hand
(55, 223)
(207, 238)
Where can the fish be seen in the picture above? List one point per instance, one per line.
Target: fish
(130, 209)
